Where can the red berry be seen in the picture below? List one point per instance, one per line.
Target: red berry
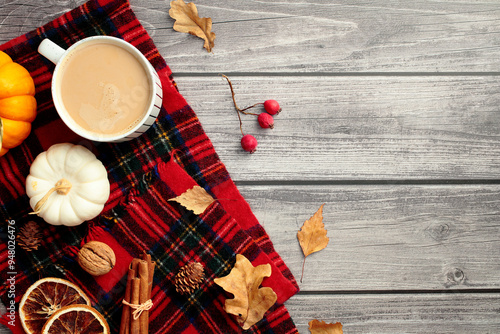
(272, 107)
(266, 120)
(249, 143)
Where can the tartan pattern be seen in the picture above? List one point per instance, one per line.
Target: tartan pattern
(131, 168)
(176, 237)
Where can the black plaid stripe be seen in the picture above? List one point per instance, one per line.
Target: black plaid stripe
(188, 237)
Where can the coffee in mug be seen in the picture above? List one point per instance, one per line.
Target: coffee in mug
(104, 89)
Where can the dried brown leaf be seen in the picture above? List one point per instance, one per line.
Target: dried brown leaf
(187, 20)
(249, 303)
(195, 199)
(321, 327)
(312, 235)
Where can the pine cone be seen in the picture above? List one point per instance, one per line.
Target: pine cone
(29, 236)
(189, 278)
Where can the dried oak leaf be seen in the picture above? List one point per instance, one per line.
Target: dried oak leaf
(249, 303)
(187, 20)
(195, 199)
(312, 236)
(321, 327)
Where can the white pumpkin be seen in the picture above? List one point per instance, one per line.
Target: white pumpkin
(67, 185)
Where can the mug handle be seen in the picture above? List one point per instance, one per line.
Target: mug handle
(51, 50)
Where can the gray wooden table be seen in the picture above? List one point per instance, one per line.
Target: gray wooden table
(391, 117)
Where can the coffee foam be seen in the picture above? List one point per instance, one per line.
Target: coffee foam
(102, 115)
(112, 108)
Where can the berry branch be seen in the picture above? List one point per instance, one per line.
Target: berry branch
(234, 100)
(265, 119)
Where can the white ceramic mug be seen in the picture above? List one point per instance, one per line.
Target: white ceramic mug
(59, 55)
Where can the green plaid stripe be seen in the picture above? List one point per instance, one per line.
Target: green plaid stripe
(213, 239)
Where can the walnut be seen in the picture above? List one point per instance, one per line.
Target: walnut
(96, 258)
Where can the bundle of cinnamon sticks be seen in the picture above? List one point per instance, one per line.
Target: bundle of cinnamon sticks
(137, 300)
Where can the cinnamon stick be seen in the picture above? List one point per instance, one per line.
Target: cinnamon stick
(143, 295)
(125, 322)
(151, 267)
(137, 296)
(126, 311)
(134, 323)
(151, 270)
(134, 264)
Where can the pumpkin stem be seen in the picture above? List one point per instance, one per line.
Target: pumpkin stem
(62, 187)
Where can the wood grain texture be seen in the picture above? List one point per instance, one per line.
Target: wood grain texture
(355, 128)
(3, 329)
(21, 16)
(387, 237)
(406, 313)
(310, 36)
(341, 36)
(391, 118)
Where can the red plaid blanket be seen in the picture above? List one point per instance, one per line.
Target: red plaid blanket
(137, 216)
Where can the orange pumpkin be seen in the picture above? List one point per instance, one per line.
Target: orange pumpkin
(17, 103)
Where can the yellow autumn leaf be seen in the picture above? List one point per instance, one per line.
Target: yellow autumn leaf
(187, 20)
(312, 235)
(321, 327)
(250, 302)
(195, 199)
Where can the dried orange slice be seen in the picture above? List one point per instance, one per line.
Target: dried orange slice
(76, 319)
(43, 298)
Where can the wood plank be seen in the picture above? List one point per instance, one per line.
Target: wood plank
(401, 313)
(387, 237)
(20, 17)
(355, 128)
(325, 36)
(309, 36)
(3, 329)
